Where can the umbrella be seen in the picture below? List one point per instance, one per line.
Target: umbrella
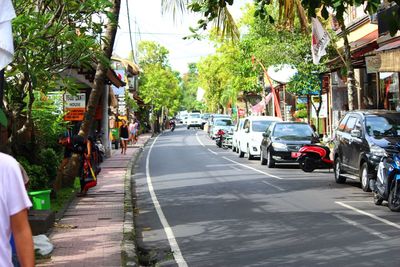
(282, 73)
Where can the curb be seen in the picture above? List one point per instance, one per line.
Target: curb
(128, 246)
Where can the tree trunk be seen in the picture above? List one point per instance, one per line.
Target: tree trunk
(351, 84)
(98, 88)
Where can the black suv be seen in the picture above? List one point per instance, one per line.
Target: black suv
(360, 141)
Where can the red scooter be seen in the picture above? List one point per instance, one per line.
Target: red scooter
(311, 157)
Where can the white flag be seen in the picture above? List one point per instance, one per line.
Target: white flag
(320, 40)
(7, 13)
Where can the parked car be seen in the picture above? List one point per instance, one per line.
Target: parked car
(193, 120)
(249, 140)
(283, 138)
(224, 124)
(360, 141)
(236, 132)
(204, 118)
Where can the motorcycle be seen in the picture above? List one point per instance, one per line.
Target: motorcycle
(386, 186)
(311, 157)
(227, 140)
(172, 125)
(220, 137)
(99, 147)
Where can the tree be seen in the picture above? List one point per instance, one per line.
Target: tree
(61, 34)
(159, 85)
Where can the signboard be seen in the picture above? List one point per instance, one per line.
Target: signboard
(74, 106)
(373, 63)
(323, 113)
(121, 76)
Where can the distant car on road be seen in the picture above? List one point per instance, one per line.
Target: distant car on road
(249, 141)
(361, 140)
(194, 120)
(283, 138)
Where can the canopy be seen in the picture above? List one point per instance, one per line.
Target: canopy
(7, 13)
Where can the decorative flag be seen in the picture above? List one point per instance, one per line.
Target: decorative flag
(320, 40)
(7, 13)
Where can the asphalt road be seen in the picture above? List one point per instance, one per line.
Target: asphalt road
(212, 208)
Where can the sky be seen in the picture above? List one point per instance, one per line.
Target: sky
(147, 23)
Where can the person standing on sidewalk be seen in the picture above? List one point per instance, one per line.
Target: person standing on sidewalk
(124, 136)
(14, 204)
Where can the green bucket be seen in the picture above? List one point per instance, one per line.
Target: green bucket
(40, 199)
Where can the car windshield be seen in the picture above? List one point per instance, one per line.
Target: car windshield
(260, 126)
(293, 131)
(383, 125)
(223, 122)
(194, 115)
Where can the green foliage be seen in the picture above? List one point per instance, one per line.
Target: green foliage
(38, 179)
(49, 160)
(159, 84)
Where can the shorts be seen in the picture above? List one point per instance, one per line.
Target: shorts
(124, 139)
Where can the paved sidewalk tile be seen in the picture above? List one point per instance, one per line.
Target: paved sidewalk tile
(91, 230)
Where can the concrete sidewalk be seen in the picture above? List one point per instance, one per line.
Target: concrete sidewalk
(91, 232)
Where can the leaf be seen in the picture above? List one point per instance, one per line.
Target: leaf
(3, 118)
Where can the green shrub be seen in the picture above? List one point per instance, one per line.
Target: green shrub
(50, 161)
(38, 178)
(301, 114)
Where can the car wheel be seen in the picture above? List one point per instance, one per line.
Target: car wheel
(188, 127)
(338, 178)
(270, 161)
(241, 153)
(364, 177)
(262, 158)
(249, 156)
(233, 148)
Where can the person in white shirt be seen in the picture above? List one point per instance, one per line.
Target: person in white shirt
(14, 204)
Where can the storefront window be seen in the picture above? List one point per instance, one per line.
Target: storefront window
(389, 84)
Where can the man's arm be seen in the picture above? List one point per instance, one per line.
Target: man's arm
(23, 238)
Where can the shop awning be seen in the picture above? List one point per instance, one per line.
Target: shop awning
(390, 46)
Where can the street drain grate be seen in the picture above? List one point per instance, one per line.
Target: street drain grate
(104, 219)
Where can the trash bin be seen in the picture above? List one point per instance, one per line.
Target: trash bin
(40, 199)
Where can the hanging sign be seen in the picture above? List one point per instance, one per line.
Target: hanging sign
(74, 106)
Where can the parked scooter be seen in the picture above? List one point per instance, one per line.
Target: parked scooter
(227, 140)
(311, 157)
(387, 184)
(220, 137)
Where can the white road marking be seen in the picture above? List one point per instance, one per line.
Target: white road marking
(168, 231)
(215, 153)
(198, 139)
(362, 227)
(235, 168)
(395, 225)
(275, 186)
(254, 169)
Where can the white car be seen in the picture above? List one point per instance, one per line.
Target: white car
(236, 132)
(194, 120)
(224, 124)
(249, 140)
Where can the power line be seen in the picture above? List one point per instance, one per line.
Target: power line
(130, 31)
(156, 33)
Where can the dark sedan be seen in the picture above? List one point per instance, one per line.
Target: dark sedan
(283, 138)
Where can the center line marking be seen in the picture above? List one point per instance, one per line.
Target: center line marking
(369, 215)
(254, 169)
(168, 231)
(275, 186)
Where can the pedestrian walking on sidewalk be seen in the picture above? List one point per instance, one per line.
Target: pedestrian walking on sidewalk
(14, 204)
(124, 136)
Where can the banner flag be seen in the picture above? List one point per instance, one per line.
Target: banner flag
(320, 40)
(7, 13)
